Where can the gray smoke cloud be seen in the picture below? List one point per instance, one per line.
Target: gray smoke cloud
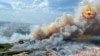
(53, 44)
(66, 25)
(51, 36)
(13, 32)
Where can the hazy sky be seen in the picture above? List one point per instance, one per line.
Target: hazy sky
(35, 11)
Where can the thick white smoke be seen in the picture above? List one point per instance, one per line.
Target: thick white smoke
(14, 38)
(51, 36)
(13, 32)
(66, 25)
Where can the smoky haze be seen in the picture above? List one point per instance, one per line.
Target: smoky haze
(66, 25)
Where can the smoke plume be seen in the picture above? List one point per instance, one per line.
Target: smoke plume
(51, 36)
(72, 26)
(66, 25)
